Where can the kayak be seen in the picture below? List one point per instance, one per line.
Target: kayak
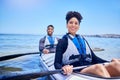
(47, 61)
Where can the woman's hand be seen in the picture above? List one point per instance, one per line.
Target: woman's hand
(68, 69)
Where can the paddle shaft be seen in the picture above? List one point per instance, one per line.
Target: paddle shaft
(15, 55)
(33, 75)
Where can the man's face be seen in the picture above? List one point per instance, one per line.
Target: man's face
(50, 31)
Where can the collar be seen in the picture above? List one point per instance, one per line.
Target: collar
(71, 36)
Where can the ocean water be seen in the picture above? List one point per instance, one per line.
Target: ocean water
(24, 43)
(18, 43)
(111, 47)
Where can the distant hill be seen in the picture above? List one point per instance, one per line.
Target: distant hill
(104, 35)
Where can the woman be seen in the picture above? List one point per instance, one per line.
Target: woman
(73, 50)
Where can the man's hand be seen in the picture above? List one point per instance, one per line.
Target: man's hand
(46, 51)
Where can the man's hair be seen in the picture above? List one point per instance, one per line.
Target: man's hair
(50, 26)
(72, 14)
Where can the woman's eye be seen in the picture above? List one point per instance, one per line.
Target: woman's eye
(76, 23)
(71, 22)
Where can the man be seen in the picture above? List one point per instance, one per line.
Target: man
(48, 43)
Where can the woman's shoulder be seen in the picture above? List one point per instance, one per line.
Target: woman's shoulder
(63, 40)
(62, 44)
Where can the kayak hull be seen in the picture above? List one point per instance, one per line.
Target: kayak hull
(47, 61)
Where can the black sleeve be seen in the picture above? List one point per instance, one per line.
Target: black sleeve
(60, 49)
(96, 59)
(41, 47)
(41, 44)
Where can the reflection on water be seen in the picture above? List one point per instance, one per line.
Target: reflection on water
(28, 63)
(4, 69)
(10, 68)
(23, 63)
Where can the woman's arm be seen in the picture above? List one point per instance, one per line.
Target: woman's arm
(96, 59)
(60, 49)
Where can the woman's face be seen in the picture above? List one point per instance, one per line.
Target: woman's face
(73, 26)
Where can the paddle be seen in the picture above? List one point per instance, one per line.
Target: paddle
(16, 55)
(33, 75)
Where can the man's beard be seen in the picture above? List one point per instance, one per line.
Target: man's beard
(50, 34)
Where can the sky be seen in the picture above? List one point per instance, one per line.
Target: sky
(33, 16)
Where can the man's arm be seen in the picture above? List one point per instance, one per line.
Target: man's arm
(41, 44)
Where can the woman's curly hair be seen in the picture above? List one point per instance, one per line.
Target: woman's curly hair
(75, 14)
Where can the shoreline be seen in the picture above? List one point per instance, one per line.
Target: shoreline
(94, 35)
(104, 35)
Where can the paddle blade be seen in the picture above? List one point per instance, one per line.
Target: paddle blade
(15, 56)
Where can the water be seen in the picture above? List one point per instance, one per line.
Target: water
(20, 43)
(13, 43)
(17, 44)
(111, 47)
